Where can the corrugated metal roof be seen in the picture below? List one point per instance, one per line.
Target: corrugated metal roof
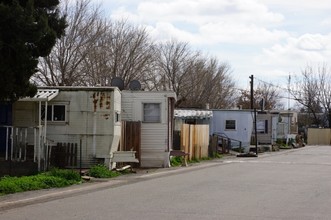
(181, 113)
(42, 95)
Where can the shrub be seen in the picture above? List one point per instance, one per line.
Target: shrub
(8, 185)
(101, 171)
(217, 155)
(194, 160)
(51, 179)
(176, 161)
(69, 175)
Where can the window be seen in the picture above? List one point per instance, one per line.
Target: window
(230, 125)
(262, 126)
(54, 113)
(117, 117)
(152, 112)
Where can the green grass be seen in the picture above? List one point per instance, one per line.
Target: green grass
(52, 179)
(178, 160)
(101, 171)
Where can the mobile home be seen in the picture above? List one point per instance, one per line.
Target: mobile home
(88, 116)
(155, 112)
(233, 124)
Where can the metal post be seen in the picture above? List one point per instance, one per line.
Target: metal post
(288, 107)
(252, 91)
(12, 143)
(80, 156)
(7, 142)
(39, 135)
(255, 128)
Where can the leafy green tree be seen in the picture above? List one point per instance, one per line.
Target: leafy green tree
(28, 30)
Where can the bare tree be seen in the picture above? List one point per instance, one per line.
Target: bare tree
(125, 51)
(174, 62)
(310, 90)
(196, 79)
(324, 76)
(95, 50)
(64, 65)
(264, 91)
(210, 85)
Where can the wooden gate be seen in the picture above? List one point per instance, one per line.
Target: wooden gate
(195, 140)
(131, 138)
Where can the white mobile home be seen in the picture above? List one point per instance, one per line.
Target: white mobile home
(234, 124)
(155, 112)
(89, 116)
(266, 127)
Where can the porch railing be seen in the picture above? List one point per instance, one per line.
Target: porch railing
(20, 140)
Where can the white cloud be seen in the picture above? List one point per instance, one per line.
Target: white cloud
(277, 37)
(239, 33)
(164, 31)
(326, 22)
(207, 21)
(299, 4)
(298, 52)
(205, 11)
(311, 42)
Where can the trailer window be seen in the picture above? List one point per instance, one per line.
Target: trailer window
(230, 125)
(54, 113)
(152, 112)
(262, 126)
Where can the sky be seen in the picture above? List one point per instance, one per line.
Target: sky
(270, 39)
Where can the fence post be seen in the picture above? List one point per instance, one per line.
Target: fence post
(80, 156)
(7, 142)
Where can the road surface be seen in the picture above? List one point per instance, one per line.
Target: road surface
(293, 184)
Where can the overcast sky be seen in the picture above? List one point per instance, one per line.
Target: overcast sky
(269, 39)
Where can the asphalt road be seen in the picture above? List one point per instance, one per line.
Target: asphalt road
(294, 184)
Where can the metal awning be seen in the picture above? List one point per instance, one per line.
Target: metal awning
(42, 95)
(194, 114)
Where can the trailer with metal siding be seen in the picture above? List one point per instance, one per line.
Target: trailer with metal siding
(156, 134)
(84, 115)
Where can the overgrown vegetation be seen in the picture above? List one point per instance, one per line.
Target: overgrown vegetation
(281, 143)
(53, 179)
(101, 171)
(217, 155)
(176, 161)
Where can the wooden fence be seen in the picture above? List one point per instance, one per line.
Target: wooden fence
(319, 136)
(64, 155)
(131, 138)
(195, 140)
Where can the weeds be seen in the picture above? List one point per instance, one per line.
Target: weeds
(101, 171)
(176, 161)
(54, 178)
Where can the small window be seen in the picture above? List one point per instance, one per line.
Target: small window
(152, 112)
(262, 126)
(117, 117)
(230, 124)
(56, 113)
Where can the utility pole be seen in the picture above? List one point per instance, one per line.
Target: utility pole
(255, 113)
(288, 105)
(255, 127)
(252, 90)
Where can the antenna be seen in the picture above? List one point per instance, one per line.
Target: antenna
(118, 82)
(135, 85)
